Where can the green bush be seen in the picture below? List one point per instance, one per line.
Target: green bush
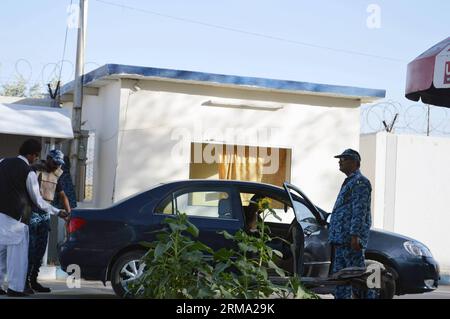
(176, 265)
(179, 266)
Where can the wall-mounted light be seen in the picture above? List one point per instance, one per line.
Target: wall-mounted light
(244, 104)
(136, 87)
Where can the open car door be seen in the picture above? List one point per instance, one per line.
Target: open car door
(308, 221)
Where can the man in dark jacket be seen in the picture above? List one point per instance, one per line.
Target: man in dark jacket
(19, 189)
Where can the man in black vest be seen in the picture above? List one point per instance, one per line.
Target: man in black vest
(19, 189)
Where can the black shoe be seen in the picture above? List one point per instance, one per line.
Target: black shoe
(2, 292)
(28, 289)
(39, 288)
(13, 293)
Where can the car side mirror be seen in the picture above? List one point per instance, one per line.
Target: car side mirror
(311, 229)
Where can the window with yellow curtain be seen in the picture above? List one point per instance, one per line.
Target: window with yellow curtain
(241, 162)
(251, 163)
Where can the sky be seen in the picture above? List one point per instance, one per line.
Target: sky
(347, 42)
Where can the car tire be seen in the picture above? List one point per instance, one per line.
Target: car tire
(388, 284)
(129, 262)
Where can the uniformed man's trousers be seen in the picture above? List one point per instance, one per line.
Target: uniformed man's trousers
(39, 228)
(347, 257)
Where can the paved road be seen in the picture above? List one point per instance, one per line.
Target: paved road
(89, 290)
(443, 292)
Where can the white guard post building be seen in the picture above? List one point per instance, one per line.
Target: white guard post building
(148, 126)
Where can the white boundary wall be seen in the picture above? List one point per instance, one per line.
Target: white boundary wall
(411, 179)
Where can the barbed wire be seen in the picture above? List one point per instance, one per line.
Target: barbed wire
(49, 72)
(417, 118)
(388, 115)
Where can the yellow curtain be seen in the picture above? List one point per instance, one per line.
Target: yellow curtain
(280, 176)
(240, 163)
(246, 164)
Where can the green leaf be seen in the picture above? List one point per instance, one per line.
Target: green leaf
(170, 220)
(248, 248)
(226, 294)
(278, 253)
(204, 293)
(177, 227)
(226, 234)
(277, 269)
(242, 236)
(244, 247)
(201, 247)
(220, 267)
(271, 264)
(162, 237)
(223, 254)
(192, 229)
(264, 273)
(161, 249)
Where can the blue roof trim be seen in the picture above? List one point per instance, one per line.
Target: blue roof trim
(272, 84)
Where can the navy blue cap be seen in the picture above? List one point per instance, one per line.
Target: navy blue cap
(349, 153)
(57, 156)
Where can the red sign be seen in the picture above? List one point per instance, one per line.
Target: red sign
(447, 73)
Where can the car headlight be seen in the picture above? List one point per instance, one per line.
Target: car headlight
(417, 249)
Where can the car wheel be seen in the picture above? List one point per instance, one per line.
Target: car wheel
(127, 268)
(388, 284)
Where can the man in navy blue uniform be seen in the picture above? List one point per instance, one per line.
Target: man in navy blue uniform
(350, 220)
(50, 186)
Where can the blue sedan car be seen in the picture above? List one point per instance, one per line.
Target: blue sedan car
(105, 243)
